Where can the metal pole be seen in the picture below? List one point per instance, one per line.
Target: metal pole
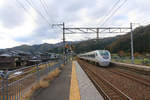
(97, 33)
(4, 91)
(37, 72)
(3, 88)
(64, 42)
(132, 49)
(7, 87)
(64, 36)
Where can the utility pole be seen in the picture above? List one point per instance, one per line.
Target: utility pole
(132, 50)
(64, 37)
(97, 33)
(63, 25)
(64, 49)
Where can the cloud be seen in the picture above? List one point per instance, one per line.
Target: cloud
(22, 27)
(10, 15)
(7, 42)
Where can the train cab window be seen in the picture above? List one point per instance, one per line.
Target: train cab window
(95, 54)
(105, 54)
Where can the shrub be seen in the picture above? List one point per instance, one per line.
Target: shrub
(121, 53)
(137, 54)
(41, 84)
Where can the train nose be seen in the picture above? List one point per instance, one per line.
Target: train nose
(104, 63)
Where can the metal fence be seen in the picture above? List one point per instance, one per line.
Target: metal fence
(15, 83)
(138, 61)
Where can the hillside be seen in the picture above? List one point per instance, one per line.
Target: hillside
(35, 48)
(141, 36)
(88, 45)
(32, 49)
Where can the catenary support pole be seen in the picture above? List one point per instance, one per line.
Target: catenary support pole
(97, 33)
(64, 53)
(132, 47)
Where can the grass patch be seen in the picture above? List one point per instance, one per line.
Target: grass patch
(136, 61)
(62, 66)
(44, 83)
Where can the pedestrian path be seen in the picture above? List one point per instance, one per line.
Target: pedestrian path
(72, 84)
(59, 88)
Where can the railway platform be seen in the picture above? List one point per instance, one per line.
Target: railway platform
(138, 68)
(72, 84)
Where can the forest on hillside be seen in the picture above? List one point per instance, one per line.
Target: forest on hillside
(141, 37)
(141, 41)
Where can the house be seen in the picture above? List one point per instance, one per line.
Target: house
(54, 56)
(14, 59)
(49, 56)
(33, 62)
(45, 56)
(24, 55)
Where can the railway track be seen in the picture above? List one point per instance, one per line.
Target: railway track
(131, 76)
(117, 84)
(109, 91)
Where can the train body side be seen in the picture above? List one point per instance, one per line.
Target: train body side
(102, 57)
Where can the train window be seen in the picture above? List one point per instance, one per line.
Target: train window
(92, 55)
(95, 54)
(89, 55)
(105, 54)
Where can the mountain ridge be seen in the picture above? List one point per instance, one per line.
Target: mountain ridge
(141, 41)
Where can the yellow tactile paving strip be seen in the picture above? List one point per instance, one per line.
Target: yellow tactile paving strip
(74, 88)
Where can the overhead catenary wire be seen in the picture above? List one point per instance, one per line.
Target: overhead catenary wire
(46, 20)
(44, 7)
(146, 21)
(110, 10)
(114, 12)
(45, 3)
(25, 9)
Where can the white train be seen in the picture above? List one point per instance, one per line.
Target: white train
(102, 57)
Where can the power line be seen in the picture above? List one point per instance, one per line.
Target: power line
(146, 21)
(113, 13)
(110, 10)
(21, 5)
(45, 9)
(38, 12)
(45, 3)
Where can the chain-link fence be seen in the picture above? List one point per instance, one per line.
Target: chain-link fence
(15, 83)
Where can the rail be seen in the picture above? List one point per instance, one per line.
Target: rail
(109, 91)
(132, 77)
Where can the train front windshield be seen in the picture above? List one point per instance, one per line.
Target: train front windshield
(104, 54)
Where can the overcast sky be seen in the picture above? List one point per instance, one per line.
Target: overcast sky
(22, 24)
